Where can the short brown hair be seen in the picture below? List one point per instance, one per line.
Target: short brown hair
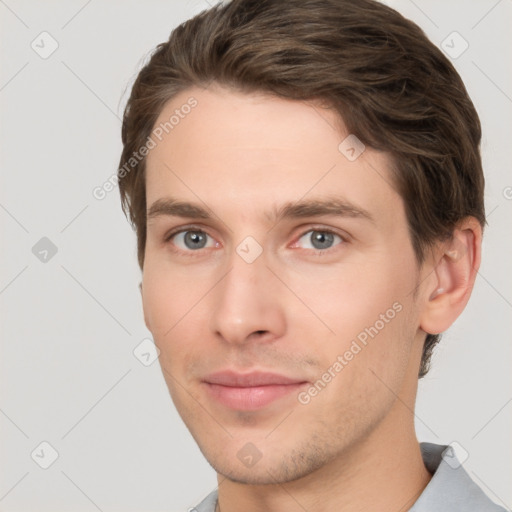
(391, 86)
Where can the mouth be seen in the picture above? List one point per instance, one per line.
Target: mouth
(250, 391)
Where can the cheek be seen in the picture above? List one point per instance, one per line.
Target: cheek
(160, 297)
(175, 308)
(371, 309)
(361, 375)
(169, 294)
(354, 297)
(378, 343)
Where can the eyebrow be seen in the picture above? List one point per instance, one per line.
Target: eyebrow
(332, 206)
(173, 208)
(318, 207)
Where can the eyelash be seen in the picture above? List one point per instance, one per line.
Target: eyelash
(168, 237)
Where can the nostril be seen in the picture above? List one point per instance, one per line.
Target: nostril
(260, 334)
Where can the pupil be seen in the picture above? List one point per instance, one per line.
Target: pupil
(321, 240)
(195, 240)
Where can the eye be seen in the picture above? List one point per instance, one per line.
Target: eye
(192, 240)
(319, 240)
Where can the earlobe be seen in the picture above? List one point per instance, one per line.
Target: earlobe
(453, 277)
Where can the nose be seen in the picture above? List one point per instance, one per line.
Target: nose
(247, 304)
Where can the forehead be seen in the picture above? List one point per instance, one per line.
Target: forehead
(224, 122)
(247, 150)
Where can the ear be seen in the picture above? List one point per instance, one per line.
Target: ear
(451, 282)
(145, 316)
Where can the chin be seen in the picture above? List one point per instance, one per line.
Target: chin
(275, 467)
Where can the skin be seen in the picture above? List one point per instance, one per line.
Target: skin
(294, 309)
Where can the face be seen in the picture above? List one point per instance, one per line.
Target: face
(278, 283)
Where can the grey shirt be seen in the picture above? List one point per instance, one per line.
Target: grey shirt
(450, 489)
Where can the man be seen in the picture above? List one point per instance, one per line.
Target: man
(306, 186)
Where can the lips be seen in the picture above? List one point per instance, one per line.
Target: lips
(250, 391)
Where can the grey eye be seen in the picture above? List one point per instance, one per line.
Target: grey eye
(195, 239)
(317, 239)
(192, 240)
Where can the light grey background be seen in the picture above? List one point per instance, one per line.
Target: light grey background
(68, 375)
